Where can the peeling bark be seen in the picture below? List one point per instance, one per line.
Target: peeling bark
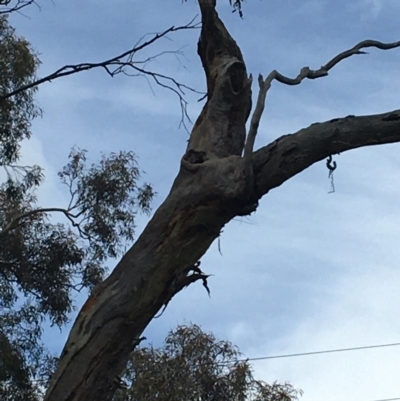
(211, 188)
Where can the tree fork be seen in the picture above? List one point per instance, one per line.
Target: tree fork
(211, 188)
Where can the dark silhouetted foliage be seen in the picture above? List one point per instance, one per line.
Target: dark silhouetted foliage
(42, 262)
(194, 365)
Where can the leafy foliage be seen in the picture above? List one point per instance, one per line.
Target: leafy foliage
(43, 262)
(104, 198)
(194, 365)
(18, 65)
(23, 356)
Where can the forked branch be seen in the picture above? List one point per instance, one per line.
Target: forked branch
(17, 6)
(120, 64)
(14, 223)
(305, 72)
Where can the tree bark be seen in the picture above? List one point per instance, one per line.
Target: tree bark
(290, 154)
(211, 188)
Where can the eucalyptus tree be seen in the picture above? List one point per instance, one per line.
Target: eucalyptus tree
(221, 176)
(195, 365)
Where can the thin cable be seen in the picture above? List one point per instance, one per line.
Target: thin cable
(321, 352)
(388, 399)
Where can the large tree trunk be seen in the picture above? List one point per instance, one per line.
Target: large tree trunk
(212, 187)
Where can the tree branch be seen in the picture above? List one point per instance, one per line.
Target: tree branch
(20, 4)
(202, 200)
(115, 65)
(290, 154)
(15, 222)
(305, 72)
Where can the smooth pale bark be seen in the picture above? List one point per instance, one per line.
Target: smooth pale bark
(212, 187)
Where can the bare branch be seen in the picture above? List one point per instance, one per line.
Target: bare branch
(113, 66)
(323, 71)
(20, 4)
(172, 84)
(256, 117)
(305, 72)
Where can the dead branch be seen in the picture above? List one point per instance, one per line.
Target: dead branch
(305, 72)
(20, 4)
(120, 64)
(203, 199)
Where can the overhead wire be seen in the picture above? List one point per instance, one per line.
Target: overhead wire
(315, 352)
(326, 352)
(388, 399)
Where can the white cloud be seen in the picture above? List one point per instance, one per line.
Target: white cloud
(367, 10)
(50, 192)
(375, 7)
(315, 8)
(361, 312)
(31, 153)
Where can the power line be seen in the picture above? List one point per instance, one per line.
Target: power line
(388, 399)
(322, 352)
(327, 352)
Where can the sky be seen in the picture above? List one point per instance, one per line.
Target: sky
(309, 271)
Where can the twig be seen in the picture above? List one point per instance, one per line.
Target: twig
(107, 65)
(305, 72)
(17, 7)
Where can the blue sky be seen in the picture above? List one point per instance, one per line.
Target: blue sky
(309, 270)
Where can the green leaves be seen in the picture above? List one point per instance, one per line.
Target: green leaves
(194, 365)
(42, 262)
(18, 65)
(105, 199)
(46, 261)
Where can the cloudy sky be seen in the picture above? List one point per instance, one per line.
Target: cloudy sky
(309, 271)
